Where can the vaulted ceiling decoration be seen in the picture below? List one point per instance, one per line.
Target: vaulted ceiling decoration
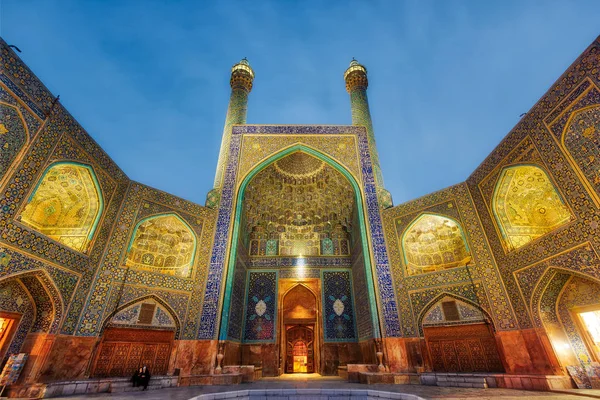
(294, 204)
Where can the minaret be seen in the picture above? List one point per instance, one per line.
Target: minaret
(241, 80)
(356, 85)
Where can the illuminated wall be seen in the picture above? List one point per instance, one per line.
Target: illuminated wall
(66, 205)
(527, 205)
(298, 206)
(163, 244)
(434, 243)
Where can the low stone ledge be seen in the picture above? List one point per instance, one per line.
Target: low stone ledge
(495, 380)
(355, 369)
(393, 378)
(220, 379)
(87, 386)
(307, 394)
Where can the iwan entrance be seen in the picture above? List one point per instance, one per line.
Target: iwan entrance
(297, 268)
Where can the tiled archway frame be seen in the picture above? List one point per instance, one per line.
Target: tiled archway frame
(210, 316)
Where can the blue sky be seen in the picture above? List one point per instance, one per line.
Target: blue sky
(149, 80)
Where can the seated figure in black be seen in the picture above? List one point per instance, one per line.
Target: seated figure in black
(136, 377)
(141, 377)
(144, 378)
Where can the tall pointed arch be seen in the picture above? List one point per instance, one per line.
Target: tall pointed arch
(224, 322)
(66, 205)
(527, 205)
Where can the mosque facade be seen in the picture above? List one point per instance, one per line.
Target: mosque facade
(299, 262)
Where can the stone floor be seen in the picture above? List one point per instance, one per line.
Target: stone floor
(315, 381)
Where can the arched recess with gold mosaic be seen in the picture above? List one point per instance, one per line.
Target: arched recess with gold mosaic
(161, 306)
(581, 139)
(432, 243)
(298, 206)
(49, 306)
(485, 316)
(526, 205)
(163, 243)
(14, 135)
(233, 241)
(560, 295)
(66, 205)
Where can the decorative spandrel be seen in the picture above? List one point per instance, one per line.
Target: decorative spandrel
(13, 136)
(163, 244)
(66, 205)
(582, 140)
(299, 206)
(527, 205)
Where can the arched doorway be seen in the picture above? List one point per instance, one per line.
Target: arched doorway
(300, 354)
(299, 324)
(31, 310)
(137, 334)
(459, 337)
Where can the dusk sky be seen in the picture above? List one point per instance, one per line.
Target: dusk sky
(149, 80)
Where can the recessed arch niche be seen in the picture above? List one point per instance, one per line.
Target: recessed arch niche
(526, 205)
(163, 243)
(298, 206)
(318, 170)
(66, 205)
(434, 243)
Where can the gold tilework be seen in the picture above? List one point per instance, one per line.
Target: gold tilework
(65, 206)
(527, 205)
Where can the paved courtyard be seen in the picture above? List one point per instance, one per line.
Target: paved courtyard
(315, 381)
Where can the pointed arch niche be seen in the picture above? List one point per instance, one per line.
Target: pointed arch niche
(139, 333)
(299, 197)
(163, 243)
(434, 243)
(459, 337)
(66, 205)
(526, 205)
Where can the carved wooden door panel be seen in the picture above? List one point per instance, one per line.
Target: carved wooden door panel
(119, 360)
(437, 357)
(294, 334)
(161, 363)
(105, 354)
(122, 351)
(463, 348)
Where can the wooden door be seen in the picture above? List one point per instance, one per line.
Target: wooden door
(300, 336)
(122, 351)
(463, 348)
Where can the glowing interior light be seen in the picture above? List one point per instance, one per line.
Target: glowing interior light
(301, 266)
(592, 322)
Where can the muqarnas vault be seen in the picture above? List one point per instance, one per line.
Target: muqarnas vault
(299, 262)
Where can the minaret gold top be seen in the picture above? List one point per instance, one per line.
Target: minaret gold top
(242, 75)
(355, 75)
